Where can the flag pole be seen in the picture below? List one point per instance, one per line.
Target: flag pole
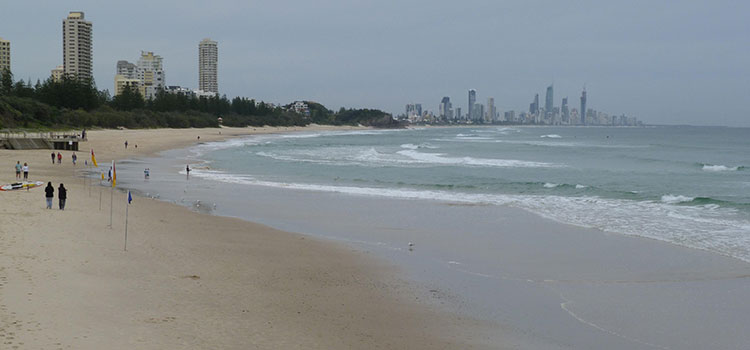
(127, 206)
(111, 202)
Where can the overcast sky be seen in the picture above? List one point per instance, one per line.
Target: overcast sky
(665, 62)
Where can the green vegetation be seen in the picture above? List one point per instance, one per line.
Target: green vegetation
(78, 104)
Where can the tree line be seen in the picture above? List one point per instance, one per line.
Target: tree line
(70, 102)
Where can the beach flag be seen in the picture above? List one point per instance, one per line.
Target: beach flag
(93, 159)
(114, 174)
(130, 197)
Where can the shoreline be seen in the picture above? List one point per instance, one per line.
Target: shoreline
(66, 282)
(545, 288)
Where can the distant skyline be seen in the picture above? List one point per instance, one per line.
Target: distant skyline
(665, 63)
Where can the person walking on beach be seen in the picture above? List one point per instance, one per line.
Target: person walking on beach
(49, 193)
(62, 194)
(126, 144)
(25, 171)
(18, 170)
(75, 158)
(187, 170)
(59, 158)
(53, 157)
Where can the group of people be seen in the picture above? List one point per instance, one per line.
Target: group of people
(49, 194)
(20, 168)
(59, 158)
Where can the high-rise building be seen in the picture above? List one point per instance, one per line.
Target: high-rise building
(208, 61)
(457, 114)
(147, 76)
(491, 111)
(77, 46)
(4, 55)
(151, 74)
(565, 111)
(583, 107)
(446, 109)
(472, 102)
(534, 106)
(548, 101)
(122, 81)
(57, 73)
(127, 69)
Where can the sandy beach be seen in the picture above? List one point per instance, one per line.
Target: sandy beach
(189, 280)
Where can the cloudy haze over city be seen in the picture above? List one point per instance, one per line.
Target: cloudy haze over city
(662, 62)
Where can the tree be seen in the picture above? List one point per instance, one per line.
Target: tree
(6, 82)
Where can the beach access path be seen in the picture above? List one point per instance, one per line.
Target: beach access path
(190, 280)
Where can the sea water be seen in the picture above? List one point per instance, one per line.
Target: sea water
(684, 185)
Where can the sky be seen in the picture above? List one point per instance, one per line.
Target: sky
(664, 62)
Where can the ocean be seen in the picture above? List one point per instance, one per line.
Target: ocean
(509, 224)
(684, 185)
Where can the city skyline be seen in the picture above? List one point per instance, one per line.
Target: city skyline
(662, 72)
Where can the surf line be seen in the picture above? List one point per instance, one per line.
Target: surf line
(564, 306)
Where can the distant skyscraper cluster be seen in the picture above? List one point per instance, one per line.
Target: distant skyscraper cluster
(537, 114)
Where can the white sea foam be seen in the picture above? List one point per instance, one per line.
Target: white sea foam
(713, 228)
(581, 186)
(439, 158)
(550, 185)
(674, 199)
(551, 136)
(708, 167)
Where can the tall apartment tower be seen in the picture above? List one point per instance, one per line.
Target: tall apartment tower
(491, 111)
(583, 107)
(208, 61)
(548, 101)
(472, 102)
(565, 111)
(4, 55)
(77, 46)
(446, 108)
(151, 74)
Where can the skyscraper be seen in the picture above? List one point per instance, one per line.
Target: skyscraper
(565, 111)
(491, 111)
(583, 107)
(472, 102)
(446, 109)
(548, 101)
(534, 106)
(208, 61)
(77, 46)
(151, 74)
(4, 55)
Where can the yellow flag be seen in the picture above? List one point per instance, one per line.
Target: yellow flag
(114, 174)
(93, 159)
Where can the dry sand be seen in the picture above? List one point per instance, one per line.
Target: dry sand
(188, 280)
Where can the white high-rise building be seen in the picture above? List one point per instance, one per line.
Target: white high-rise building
(4, 55)
(77, 46)
(151, 74)
(208, 61)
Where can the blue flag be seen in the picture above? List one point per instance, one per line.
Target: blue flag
(130, 197)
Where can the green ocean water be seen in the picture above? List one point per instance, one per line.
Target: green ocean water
(684, 185)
